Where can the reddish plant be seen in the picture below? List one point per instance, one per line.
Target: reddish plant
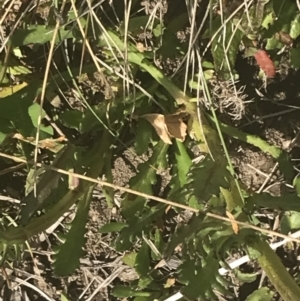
(265, 63)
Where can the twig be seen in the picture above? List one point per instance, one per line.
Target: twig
(151, 197)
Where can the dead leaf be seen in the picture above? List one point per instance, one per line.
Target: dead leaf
(170, 282)
(168, 126)
(234, 225)
(53, 145)
(140, 47)
(167, 209)
(284, 37)
(161, 264)
(177, 128)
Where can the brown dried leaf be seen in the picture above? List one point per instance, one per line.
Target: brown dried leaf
(177, 128)
(169, 126)
(234, 225)
(170, 282)
(53, 145)
(140, 47)
(159, 124)
(284, 37)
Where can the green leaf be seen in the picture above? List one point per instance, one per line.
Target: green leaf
(225, 46)
(5, 128)
(286, 166)
(273, 43)
(245, 277)
(295, 27)
(136, 225)
(138, 25)
(112, 227)
(262, 294)
(34, 112)
(63, 297)
(206, 178)
(109, 192)
(14, 109)
(51, 186)
(121, 291)
(143, 136)
(288, 202)
(179, 174)
(182, 233)
(37, 34)
(200, 277)
(181, 167)
(142, 262)
(296, 184)
(71, 119)
(284, 12)
(295, 57)
(143, 181)
(67, 259)
(145, 282)
(290, 221)
(159, 244)
(130, 259)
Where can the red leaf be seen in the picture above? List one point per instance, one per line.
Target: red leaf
(265, 63)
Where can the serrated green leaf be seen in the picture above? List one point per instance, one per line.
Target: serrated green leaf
(130, 259)
(179, 174)
(201, 278)
(67, 259)
(144, 180)
(225, 49)
(181, 168)
(136, 225)
(182, 233)
(289, 202)
(112, 227)
(143, 136)
(122, 291)
(262, 294)
(206, 178)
